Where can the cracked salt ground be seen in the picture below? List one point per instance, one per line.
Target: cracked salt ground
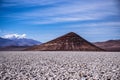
(59, 65)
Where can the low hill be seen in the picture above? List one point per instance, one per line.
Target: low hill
(110, 45)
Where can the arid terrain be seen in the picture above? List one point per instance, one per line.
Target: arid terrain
(110, 45)
(59, 65)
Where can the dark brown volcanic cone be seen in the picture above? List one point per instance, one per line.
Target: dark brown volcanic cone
(68, 42)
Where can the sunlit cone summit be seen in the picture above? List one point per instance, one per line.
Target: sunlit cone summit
(68, 42)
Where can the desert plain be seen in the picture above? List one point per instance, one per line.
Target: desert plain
(59, 65)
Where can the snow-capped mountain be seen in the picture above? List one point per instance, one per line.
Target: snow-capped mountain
(4, 42)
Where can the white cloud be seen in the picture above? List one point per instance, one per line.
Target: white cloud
(60, 19)
(97, 24)
(15, 36)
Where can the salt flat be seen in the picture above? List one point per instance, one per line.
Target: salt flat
(59, 65)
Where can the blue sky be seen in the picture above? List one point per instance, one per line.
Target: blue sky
(43, 20)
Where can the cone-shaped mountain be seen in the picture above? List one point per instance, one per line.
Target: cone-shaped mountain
(68, 42)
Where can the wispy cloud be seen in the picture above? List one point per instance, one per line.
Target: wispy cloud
(71, 18)
(67, 12)
(110, 24)
(28, 3)
(97, 24)
(71, 8)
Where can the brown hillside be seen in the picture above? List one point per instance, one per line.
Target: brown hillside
(110, 45)
(67, 42)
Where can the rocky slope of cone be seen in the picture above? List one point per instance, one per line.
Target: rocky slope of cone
(67, 42)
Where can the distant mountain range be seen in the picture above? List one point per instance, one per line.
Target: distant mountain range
(5, 42)
(70, 41)
(110, 45)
